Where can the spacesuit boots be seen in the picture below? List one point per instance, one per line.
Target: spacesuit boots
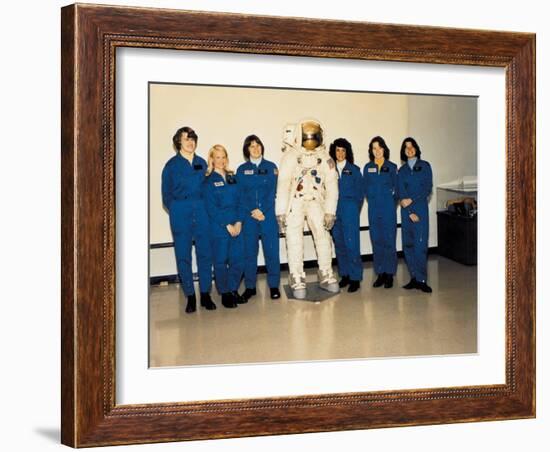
(297, 282)
(328, 282)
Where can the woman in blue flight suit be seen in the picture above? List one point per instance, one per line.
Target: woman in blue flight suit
(414, 185)
(258, 183)
(222, 194)
(345, 231)
(182, 179)
(380, 185)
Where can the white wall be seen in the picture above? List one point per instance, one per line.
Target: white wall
(227, 115)
(31, 271)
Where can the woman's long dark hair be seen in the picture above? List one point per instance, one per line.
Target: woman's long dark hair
(411, 140)
(341, 143)
(382, 144)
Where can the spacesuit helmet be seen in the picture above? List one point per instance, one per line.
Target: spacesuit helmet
(312, 135)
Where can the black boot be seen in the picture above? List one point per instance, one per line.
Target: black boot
(206, 301)
(248, 293)
(274, 292)
(238, 299)
(423, 287)
(354, 286)
(344, 281)
(228, 301)
(389, 281)
(412, 284)
(380, 280)
(191, 304)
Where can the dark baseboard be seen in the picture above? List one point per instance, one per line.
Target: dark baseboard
(170, 279)
(155, 280)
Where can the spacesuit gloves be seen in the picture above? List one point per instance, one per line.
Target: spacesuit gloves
(281, 221)
(329, 221)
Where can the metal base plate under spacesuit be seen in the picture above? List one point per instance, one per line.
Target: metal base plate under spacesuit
(313, 293)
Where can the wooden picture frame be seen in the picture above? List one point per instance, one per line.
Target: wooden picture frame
(90, 36)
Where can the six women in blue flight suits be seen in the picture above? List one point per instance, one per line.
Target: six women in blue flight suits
(228, 214)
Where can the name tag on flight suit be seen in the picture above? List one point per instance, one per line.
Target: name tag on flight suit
(372, 170)
(346, 171)
(218, 184)
(248, 172)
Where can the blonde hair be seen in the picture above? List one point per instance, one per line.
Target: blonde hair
(217, 147)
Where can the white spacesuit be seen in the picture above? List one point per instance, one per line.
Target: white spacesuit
(307, 189)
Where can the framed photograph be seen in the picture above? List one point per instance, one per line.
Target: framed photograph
(175, 330)
(360, 117)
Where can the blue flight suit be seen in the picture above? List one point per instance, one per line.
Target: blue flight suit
(222, 204)
(181, 194)
(258, 187)
(346, 230)
(415, 183)
(380, 189)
